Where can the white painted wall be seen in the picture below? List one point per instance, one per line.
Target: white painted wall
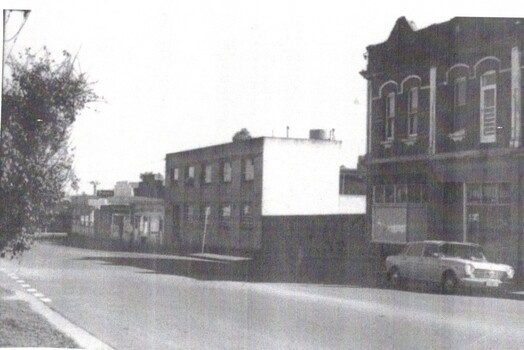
(352, 204)
(123, 189)
(300, 177)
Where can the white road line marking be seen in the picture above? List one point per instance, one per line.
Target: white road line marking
(32, 290)
(45, 300)
(25, 285)
(20, 281)
(38, 295)
(13, 277)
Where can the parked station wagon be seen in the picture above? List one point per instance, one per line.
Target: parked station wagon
(450, 264)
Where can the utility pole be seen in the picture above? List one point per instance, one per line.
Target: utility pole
(3, 121)
(13, 38)
(94, 183)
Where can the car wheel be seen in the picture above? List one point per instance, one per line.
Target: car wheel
(449, 283)
(395, 278)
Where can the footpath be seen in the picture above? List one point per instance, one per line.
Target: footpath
(28, 320)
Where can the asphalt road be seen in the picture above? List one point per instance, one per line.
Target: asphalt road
(131, 307)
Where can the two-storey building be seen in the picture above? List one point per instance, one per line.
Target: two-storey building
(444, 134)
(225, 191)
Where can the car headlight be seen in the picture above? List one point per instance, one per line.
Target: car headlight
(510, 272)
(469, 269)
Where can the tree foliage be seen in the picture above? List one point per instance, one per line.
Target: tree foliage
(241, 135)
(41, 99)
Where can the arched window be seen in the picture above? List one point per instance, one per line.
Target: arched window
(412, 111)
(488, 107)
(390, 116)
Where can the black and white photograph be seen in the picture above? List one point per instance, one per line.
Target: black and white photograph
(262, 175)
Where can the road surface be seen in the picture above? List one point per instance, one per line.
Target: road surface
(131, 307)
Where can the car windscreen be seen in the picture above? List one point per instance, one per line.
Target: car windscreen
(463, 251)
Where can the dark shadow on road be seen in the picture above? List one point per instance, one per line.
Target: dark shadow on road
(348, 276)
(194, 268)
(209, 270)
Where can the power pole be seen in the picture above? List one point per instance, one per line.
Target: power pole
(13, 38)
(94, 183)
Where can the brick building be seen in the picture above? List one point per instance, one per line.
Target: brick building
(444, 144)
(238, 192)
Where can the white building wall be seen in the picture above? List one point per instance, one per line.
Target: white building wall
(352, 204)
(123, 189)
(301, 177)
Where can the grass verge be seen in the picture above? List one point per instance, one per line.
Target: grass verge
(20, 326)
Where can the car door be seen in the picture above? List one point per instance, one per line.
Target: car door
(412, 261)
(429, 269)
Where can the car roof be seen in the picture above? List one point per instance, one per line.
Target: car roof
(444, 242)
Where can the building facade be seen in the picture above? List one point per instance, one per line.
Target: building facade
(224, 195)
(444, 134)
(131, 220)
(151, 185)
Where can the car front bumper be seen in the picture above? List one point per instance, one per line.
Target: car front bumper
(482, 283)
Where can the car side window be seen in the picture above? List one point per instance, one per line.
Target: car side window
(430, 250)
(415, 249)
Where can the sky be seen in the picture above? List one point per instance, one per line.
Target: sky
(178, 75)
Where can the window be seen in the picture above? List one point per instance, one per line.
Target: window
(378, 194)
(389, 194)
(460, 92)
(189, 214)
(174, 174)
(459, 100)
(190, 175)
(225, 220)
(431, 249)
(488, 107)
(249, 170)
(412, 111)
(226, 171)
(415, 249)
(401, 193)
(415, 193)
(488, 193)
(207, 174)
(390, 116)
(206, 214)
(474, 193)
(246, 219)
(137, 222)
(504, 193)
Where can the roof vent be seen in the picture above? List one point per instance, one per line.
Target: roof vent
(319, 134)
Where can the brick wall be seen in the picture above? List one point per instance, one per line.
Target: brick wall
(316, 249)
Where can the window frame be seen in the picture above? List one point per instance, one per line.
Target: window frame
(207, 174)
(401, 193)
(484, 88)
(189, 213)
(229, 173)
(390, 116)
(501, 195)
(460, 84)
(225, 220)
(246, 220)
(175, 175)
(190, 175)
(245, 169)
(413, 107)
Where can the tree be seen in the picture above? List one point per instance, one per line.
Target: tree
(41, 99)
(241, 135)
